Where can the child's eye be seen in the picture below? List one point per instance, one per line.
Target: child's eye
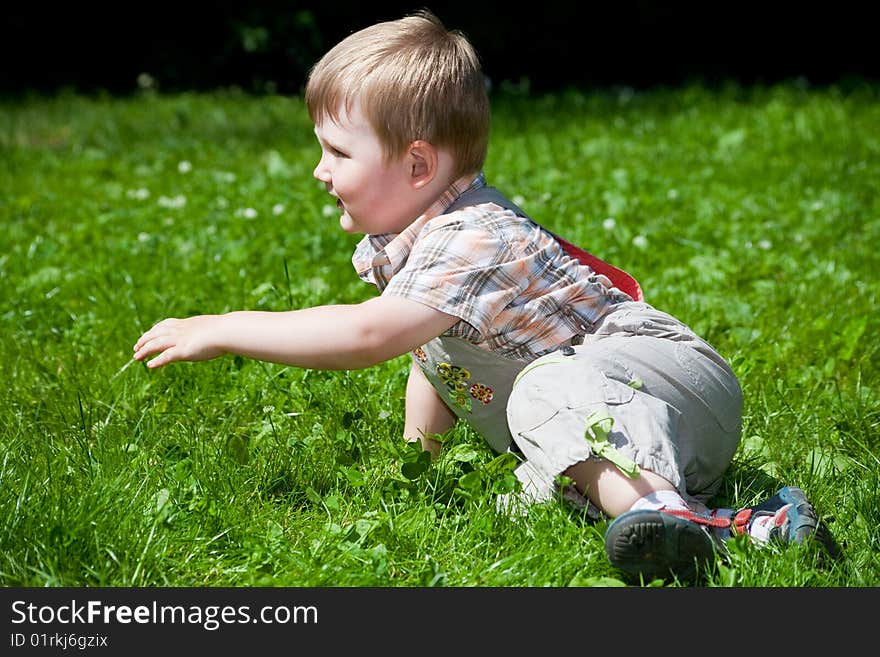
(337, 153)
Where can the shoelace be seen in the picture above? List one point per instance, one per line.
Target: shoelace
(707, 521)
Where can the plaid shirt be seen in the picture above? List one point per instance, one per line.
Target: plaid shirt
(515, 290)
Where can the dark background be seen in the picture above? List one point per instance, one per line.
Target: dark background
(270, 45)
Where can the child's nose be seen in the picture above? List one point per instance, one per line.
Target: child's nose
(322, 172)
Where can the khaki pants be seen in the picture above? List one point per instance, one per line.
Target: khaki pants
(675, 404)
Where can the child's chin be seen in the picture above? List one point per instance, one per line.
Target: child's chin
(347, 224)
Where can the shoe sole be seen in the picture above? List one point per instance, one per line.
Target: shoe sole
(653, 544)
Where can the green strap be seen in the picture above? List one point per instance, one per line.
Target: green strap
(546, 361)
(598, 427)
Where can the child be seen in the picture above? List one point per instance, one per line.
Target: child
(546, 350)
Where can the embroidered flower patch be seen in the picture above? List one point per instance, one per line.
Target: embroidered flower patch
(453, 376)
(482, 392)
(457, 380)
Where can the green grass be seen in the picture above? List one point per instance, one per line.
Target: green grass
(751, 213)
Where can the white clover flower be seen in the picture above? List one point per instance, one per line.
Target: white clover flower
(518, 200)
(172, 201)
(640, 241)
(184, 166)
(140, 193)
(329, 210)
(146, 81)
(144, 237)
(222, 202)
(765, 244)
(672, 194)
(609, 223)
(247, 213)
(277, 209)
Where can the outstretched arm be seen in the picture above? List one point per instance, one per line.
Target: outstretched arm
(426, 413)
(335, 337)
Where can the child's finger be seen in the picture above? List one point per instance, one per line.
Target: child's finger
(164, 358)
(152, 332)
(153, 345)
(144, 339)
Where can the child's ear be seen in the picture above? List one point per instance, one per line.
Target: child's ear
(424, 163)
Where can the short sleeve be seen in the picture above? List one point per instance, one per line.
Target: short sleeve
(464, 270)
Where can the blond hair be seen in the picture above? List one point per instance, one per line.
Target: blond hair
(413, 80)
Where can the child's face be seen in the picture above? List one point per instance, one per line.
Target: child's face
(371, 193)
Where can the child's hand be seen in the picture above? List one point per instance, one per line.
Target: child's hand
(180, 339)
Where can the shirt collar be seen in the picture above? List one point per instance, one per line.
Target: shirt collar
(455, 190)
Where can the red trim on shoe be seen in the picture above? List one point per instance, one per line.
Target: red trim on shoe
(781, 516)
(740, 524)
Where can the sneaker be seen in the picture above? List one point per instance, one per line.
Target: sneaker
(659, 543)
(794, 520)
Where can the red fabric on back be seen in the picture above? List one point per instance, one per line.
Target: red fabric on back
(621, 280)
